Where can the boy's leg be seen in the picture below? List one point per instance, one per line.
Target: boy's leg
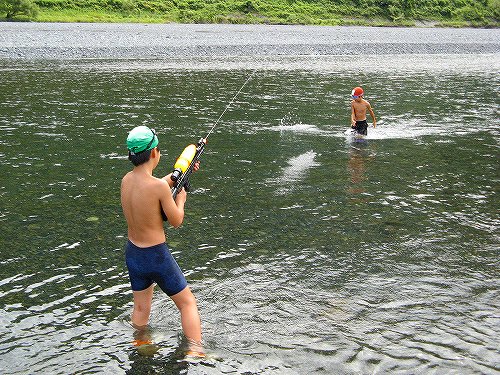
(142, 306)
(190, 318)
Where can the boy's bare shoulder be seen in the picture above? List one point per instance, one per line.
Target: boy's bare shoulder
(126, 177)
(151, 182)
(160, 183)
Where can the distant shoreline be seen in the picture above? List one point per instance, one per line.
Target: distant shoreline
(69, 41)
(408, 23)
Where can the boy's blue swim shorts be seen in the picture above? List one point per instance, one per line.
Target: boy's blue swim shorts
(154, 264)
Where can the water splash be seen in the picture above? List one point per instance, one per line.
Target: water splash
(295, 171)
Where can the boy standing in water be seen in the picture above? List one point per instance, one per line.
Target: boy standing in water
(148, 258)
(359, 106)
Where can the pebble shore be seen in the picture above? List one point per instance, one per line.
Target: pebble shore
(62, 41)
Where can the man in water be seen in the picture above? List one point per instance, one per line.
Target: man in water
(359, 106)
(148, 258)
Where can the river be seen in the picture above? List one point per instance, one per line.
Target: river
(309, 251)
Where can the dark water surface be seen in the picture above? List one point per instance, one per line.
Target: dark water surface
(309, 252)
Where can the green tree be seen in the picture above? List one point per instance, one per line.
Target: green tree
(15, 8)
(495, 7)
(128, 6)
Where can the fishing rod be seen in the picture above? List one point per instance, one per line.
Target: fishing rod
(185, 163)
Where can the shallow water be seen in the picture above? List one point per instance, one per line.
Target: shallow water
(308, 251)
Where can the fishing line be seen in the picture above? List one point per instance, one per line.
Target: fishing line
(185, 163)
(231, 102)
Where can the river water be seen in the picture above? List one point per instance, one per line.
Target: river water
(310, 252)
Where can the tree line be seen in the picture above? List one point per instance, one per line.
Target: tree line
(311, 12)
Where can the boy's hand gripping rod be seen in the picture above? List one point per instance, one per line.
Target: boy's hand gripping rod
(184, 165)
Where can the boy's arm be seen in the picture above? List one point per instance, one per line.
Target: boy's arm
(372, 114)
(169, 180)
(174, 210)
(353, 115)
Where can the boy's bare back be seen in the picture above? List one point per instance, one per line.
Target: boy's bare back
(143, 196)
(141, 207)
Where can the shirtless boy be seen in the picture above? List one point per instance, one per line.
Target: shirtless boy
(359, 106)
(148, 258)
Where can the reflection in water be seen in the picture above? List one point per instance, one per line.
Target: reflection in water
(360, 156)
(142, 361)
(356, 168)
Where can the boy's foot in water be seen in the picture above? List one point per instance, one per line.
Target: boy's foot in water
(144, 342)
(195, 352)
(194, 356)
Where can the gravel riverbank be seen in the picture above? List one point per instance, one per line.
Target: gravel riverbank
(131, 41)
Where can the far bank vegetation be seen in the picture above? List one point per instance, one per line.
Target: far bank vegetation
(458, 13)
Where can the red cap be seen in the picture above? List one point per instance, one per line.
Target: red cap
(357, 92)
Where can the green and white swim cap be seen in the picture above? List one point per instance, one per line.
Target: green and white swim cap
(141, 138)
